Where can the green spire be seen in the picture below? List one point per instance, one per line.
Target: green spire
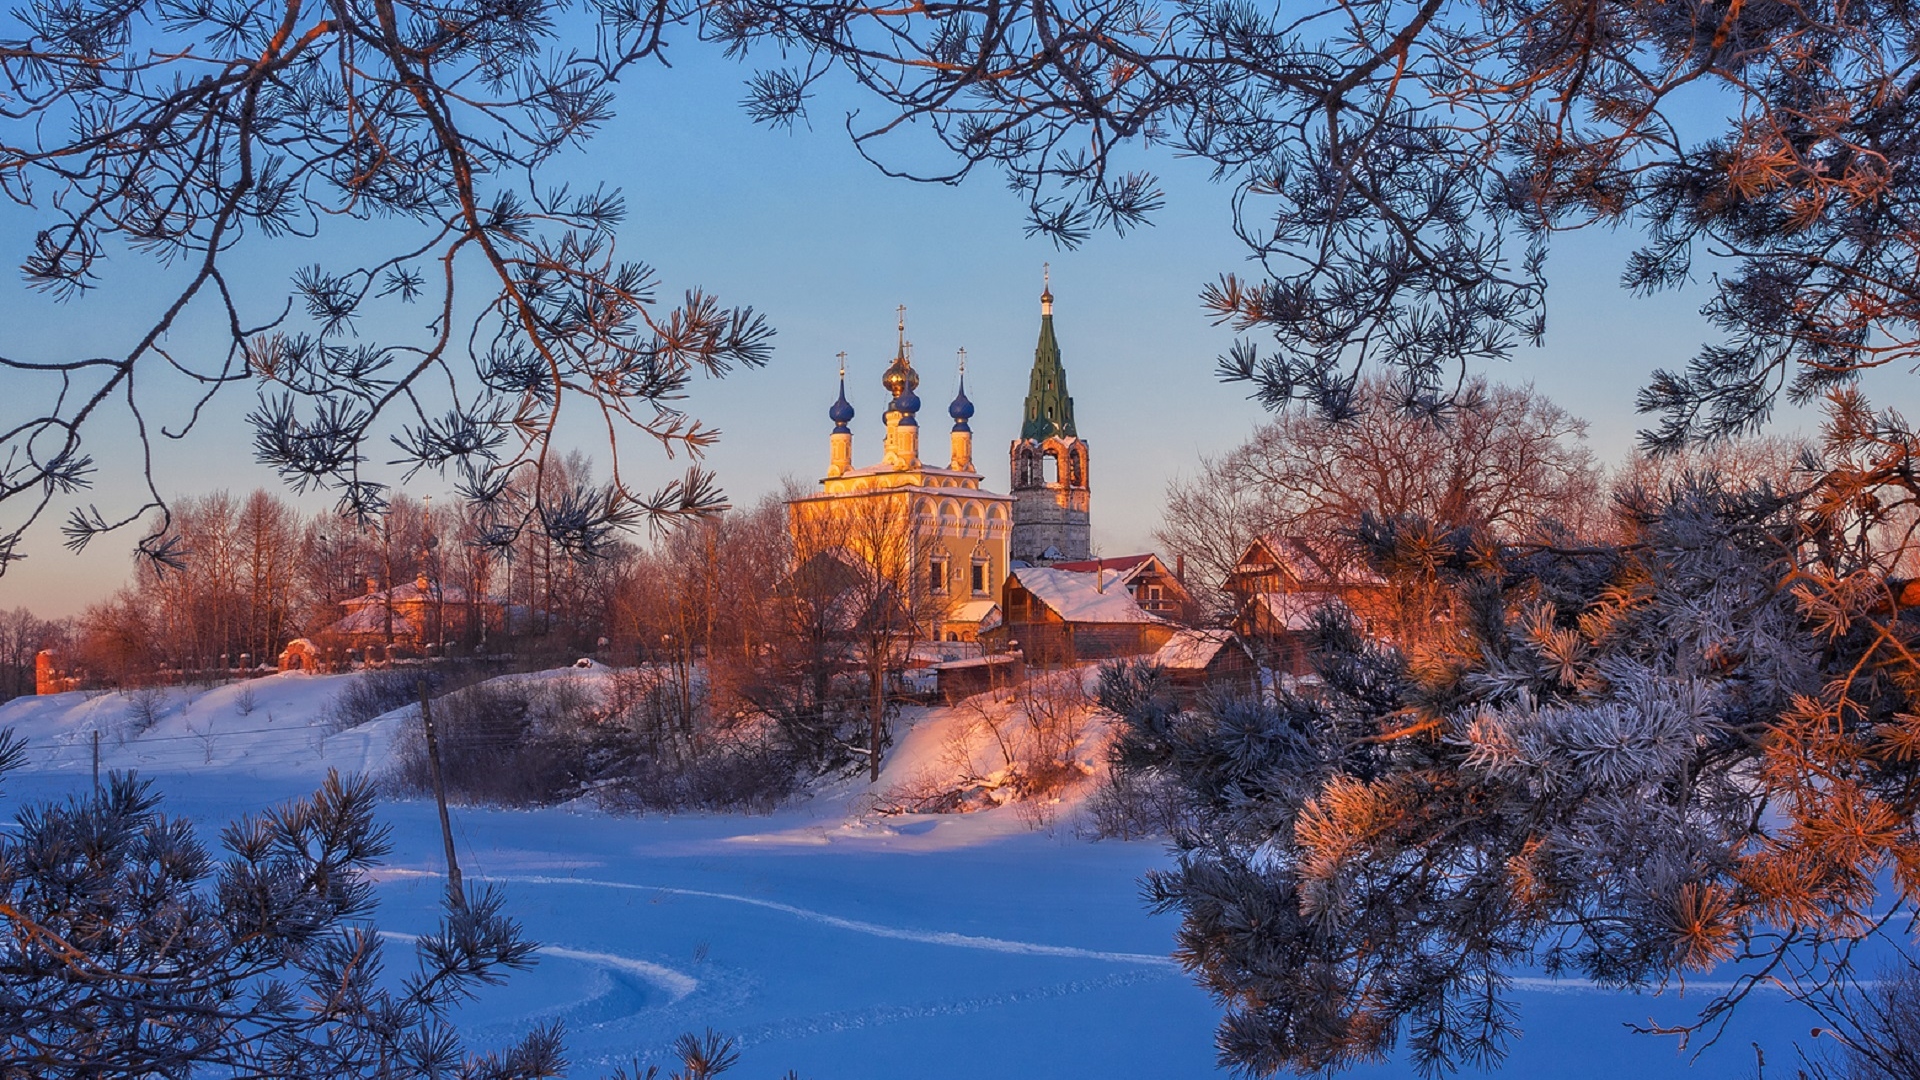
(1049, 410)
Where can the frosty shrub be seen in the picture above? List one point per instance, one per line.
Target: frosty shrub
(669, 749)
(1024, 751)
(503, 741)
(531, 742)
(152, 956)
(819, 717)
(1137, 800)
(1696, 749)
(1135, 806)
(372, 693)
(734, 775)
(144, 706)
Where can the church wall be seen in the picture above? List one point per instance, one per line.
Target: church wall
(1041, 522)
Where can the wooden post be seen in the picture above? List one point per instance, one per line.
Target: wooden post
(96, 761)
(456, 895)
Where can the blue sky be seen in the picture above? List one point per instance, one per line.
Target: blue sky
(796, 224)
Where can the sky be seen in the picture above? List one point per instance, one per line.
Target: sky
(797, 225)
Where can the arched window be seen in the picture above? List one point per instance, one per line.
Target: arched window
(1051, 461)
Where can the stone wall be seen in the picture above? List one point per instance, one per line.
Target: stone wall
(1040, 521)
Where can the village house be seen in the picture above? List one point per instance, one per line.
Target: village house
(1280, 583)
(1197, 660)
(416, 616)
(1147, 579)
(1054, 617)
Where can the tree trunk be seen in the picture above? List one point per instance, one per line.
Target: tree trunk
(877, 713)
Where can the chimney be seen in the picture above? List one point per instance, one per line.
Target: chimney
(373, 585)
(1180, 569)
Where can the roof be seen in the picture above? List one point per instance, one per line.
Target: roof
(1121, 564)
(1077, 597)
(1192, 650)
(372, 619)
(977, 662)
(409, 592)
(975, 611)
(1312, 563)
(1049, 410)
(1291, 610)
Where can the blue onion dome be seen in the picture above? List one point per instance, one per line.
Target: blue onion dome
(841, 411)
(961, 410)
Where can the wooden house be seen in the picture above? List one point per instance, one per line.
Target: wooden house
(1055, 616)
(1281, 582)
(1153, 586)
(1195, 660)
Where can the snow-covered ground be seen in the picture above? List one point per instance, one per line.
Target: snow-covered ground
(831, 941)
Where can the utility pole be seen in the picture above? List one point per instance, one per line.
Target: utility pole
(456, 895)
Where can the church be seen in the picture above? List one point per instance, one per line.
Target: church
(943, 542)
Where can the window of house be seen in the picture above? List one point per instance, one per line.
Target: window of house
(937, 575)
(979, 577)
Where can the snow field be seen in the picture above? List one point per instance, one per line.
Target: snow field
(826, 938)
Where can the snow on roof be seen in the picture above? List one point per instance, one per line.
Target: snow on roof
(372, 619)
(1121, 564)
(1312, 562)
(1293, 610)
(975, 611)
(978, 661)
(1077, 597)
(408, 592)
(1192, 650)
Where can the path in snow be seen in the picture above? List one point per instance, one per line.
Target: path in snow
(925, 937)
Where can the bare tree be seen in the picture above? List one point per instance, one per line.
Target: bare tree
(22, 636)
(1503, 461)
(196, 138)
(863, 561)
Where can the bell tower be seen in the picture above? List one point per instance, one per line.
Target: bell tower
(1049, 461)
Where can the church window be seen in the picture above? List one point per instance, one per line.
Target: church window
(937, 575)
(980, 576)
(1051, 467)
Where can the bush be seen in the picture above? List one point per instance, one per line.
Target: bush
(1136, 806)
(748, 776)
(530, 742)
(373, 693)
(496, 747)
(144, 706)
(1026, 752)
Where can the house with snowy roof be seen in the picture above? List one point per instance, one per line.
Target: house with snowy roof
(414, 615)
(1055, 616)
(1153, 585)
(1280, 583)
(1196, 659)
